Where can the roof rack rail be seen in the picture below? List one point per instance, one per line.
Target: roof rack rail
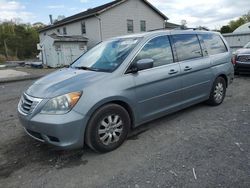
(157, 29)
(192, 28)
(182, 28)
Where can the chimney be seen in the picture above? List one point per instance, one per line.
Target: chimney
(51, 19)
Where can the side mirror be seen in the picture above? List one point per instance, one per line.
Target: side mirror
(141, 65)
(144, 64)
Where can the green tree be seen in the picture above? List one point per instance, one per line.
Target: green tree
(237, 23)
(226, 29)
(234, 24)
(18, 41)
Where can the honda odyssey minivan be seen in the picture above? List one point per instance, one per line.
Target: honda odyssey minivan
(124, 82)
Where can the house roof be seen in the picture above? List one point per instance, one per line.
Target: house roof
(95, 11)
(170, 25)
(72, 38)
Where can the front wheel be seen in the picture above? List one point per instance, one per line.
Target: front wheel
(108, 128)
(218, 92)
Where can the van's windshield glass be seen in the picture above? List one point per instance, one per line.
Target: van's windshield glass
(106, 56)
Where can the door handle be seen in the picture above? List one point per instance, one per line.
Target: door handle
(172, 71)
(187, 68)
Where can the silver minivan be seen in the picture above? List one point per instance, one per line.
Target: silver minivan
(124, 82)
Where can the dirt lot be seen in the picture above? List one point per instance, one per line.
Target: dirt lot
(201, 146)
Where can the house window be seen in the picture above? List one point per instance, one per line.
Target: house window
(44, 33)
(143, 25)
(130, 26)
(83, 25)
(58, 31)
(64, 31)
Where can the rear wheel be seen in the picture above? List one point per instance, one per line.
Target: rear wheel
(108, 128)
(218, 92)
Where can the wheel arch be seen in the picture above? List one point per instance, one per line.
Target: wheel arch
(116, 100)
(224, 77)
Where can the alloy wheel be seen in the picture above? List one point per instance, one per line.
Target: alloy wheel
(110, 129)
(219, 92)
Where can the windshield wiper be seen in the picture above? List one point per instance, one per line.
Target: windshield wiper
(91, 69)
(87, 68)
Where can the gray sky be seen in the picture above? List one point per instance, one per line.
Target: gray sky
(210, 13)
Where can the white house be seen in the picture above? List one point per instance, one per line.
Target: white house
(116, 18)
(119, 17)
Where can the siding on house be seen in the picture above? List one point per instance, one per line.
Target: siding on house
(92, 30)
(112, 22)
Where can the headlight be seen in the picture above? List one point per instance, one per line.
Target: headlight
(62, 104)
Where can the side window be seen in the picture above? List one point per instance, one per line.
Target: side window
(158, 49)
(213, 43)
(187, 46)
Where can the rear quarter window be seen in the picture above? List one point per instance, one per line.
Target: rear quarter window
(213, 43)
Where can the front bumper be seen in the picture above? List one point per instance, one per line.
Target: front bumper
(242, 67)
(63, 131)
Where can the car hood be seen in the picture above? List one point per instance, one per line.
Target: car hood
(243, 51)
(64, 81)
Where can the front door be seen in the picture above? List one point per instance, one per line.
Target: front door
(158, 88)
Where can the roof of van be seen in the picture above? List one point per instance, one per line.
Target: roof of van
(166, 32)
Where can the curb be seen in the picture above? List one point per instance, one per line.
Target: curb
(21, 78)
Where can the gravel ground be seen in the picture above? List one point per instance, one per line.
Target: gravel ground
(201, 146)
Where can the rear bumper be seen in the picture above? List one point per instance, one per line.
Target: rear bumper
(63, 131)
(242, 67)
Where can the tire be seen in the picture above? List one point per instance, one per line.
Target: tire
(108, 128)
(218, 92)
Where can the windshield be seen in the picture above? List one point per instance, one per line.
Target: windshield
(106, 56)
(247, 45)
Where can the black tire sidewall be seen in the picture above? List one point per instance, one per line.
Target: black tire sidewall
(92, 136)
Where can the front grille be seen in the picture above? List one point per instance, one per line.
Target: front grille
(243, 58)
(27, 104)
